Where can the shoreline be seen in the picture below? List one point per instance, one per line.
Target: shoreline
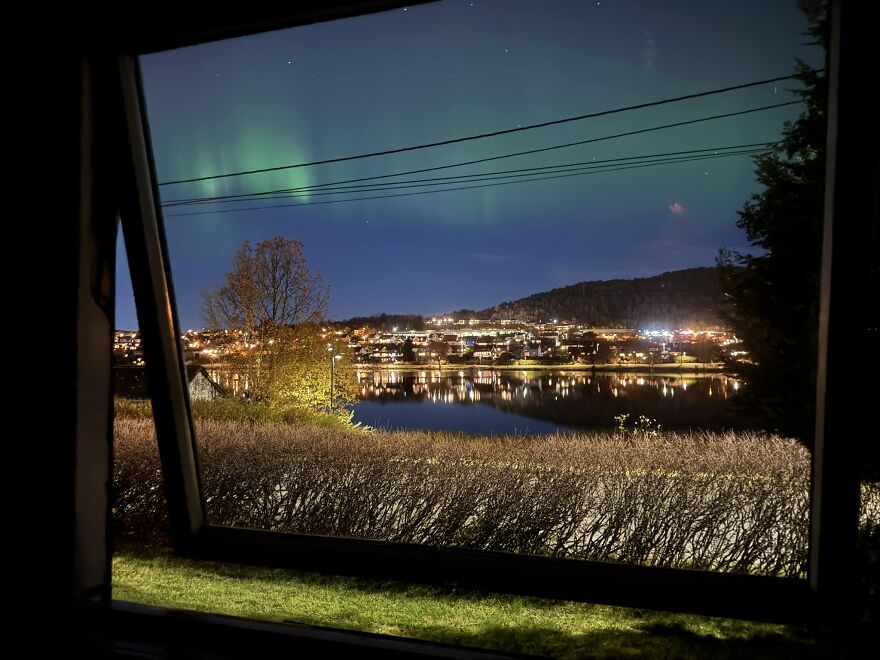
(687, 368)
(699, 367)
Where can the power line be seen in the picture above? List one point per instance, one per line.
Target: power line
(338, 185)
(431, 192)
(568, 144)
(481, 136)
(485, 177)
(405, 185)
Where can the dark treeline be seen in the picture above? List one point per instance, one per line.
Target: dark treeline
(672, 300)
(385, 322)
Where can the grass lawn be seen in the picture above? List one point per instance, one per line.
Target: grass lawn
(507, 623)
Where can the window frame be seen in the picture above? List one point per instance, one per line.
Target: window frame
(830, 583)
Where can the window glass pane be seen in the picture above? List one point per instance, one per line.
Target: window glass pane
(146, 571)
(139, 513)
(591, 336)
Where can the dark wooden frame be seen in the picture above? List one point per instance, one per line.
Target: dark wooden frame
(110, 82)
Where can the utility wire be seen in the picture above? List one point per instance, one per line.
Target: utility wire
(481, 136)
(337, 186)
(431, 192)
(346, 190)
(398, 186)
(566, 145)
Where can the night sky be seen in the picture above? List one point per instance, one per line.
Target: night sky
(453, 69)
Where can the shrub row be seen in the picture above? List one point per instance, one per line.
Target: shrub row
(732, 502)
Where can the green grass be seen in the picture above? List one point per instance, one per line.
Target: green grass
(507, 623)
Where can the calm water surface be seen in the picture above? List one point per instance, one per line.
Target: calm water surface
(541, 402)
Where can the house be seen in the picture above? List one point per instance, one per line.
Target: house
(131, 383)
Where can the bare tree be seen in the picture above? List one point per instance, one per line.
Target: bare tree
(269, 292)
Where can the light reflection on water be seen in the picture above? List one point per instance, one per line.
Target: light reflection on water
(564, 399)
(535, 401)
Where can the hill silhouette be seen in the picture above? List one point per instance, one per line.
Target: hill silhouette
(675, 299)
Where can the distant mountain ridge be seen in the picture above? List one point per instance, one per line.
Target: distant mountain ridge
(676, 299)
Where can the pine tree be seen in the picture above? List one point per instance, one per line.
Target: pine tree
(771, 299)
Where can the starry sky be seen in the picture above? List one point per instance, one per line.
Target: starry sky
(457, 68)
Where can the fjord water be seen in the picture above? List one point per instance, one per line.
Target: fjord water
(543, 402)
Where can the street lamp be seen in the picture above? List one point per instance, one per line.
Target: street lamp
(333, 359)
